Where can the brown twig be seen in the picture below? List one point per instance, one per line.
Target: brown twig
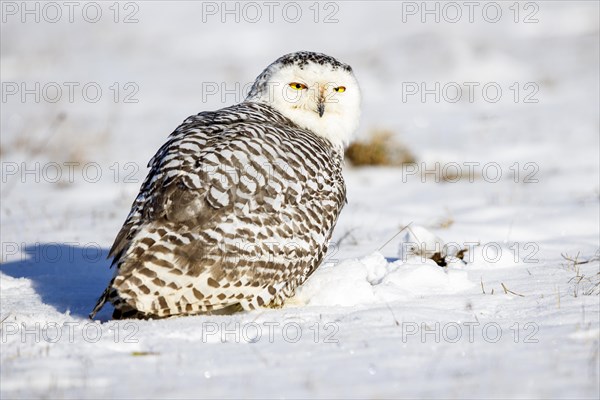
(345, 236)
(397, 233)
(576, 261)
(507, 290)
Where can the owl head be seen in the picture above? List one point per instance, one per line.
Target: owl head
(315, 91)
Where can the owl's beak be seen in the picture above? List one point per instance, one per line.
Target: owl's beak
(321, 101)
(321, 107)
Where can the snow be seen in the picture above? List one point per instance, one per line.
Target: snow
(372, 280)
(516, 320)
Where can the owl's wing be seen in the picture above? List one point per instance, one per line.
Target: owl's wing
(167, 177)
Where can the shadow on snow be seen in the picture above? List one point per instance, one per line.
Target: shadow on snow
(66, 277)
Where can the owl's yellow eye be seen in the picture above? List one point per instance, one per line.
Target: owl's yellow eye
(297, 86)
(340, 89)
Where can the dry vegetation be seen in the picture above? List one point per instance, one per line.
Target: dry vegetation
(583, 283)
(379, 149)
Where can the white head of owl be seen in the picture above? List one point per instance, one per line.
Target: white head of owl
(315, 91)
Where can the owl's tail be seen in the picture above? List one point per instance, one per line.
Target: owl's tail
(122, 309)
(102, 300)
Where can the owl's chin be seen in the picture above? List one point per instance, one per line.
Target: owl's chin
(334, 127)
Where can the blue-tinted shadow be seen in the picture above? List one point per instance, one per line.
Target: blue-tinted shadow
(66, 277)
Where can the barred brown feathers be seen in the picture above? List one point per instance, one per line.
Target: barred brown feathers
(235, 213)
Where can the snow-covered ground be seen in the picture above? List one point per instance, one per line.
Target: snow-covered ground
(517, 320)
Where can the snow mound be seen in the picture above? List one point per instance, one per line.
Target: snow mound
(372, 279)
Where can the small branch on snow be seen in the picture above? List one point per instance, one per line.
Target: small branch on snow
(507, 290)
(393, 315)
(576, 261)
(397, 233)
(345, 236)
(5, 318)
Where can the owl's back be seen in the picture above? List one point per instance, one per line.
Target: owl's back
(236, 212)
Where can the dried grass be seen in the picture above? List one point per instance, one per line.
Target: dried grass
(380, 149)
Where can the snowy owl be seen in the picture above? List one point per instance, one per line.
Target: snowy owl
(239, 204)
